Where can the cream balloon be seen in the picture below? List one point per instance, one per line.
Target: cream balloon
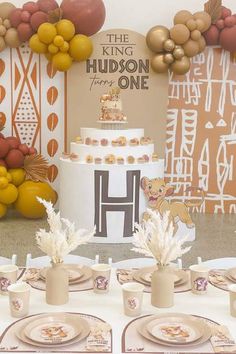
(191, 24)
(205, 17)
(2, 44)
(158, 64)
(12, 38)
(181, 67)
(201, 44)
(195, 35)
(156, 37)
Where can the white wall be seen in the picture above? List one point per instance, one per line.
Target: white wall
(141, 15)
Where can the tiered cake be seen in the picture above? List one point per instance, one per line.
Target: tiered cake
(100, 177)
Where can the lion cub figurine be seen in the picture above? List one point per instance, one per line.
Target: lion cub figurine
(156, 190)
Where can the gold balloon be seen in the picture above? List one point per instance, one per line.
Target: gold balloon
(179, 33)
(206, 19)
(169, 45)
(181, 67)
(201, 44)
(182, 17)
(5, 9)
(158, 65)
(168, 58)
(178, 52)
(191, 48)
(2, 44)
(12, 38)
(156, 37)
(191, 24)
(195, 35)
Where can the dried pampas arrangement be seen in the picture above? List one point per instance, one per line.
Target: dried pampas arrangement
(62, 238)
(155, 238)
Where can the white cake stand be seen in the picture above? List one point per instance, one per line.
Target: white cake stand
(112, 125)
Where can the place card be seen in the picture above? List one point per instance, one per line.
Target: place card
(222, 341)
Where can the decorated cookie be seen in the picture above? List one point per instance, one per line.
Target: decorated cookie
(146, 158)
(130, 159)
(74, 157)
(120, 160)
(98, 160)
(154, 157)
(95, 142)
(110, 159)
(104, 142)
(89, 159)
(122, 141)
(144, 141)
(88, 141)
(134, 142)
(78, 140)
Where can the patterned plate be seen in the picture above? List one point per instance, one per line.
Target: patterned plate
(181, 276)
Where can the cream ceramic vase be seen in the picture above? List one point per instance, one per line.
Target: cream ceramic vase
(162, 287)
(57, 285)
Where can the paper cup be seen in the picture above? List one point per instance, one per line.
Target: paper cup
(132, 298)
(232, 299)
(199, 279)
(8, 276)
(101, 277)
(19, 295)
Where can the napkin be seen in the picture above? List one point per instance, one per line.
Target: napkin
(222, 340)
(99, 338)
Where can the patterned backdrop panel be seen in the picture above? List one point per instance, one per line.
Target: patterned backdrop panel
(32, 98)
(201, 131)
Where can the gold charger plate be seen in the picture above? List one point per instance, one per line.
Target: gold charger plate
(175, 329)
(139, 274)
(144, 332)
(83, 334)
(54, 329)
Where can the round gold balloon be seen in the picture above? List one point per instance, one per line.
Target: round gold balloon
(168, 58)
(179, 33)
(181, 67)
(206, 19)
(182, 17)
(5, 9)
(158, 64)
(156, 37)
(201, 44)
(191, 24)
(169, 45)
(178, 53)
(195, 35)
(191, 48)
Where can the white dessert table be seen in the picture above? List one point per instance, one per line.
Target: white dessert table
(109, 307)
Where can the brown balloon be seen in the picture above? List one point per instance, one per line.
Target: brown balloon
(195, 35)
(205, 17)
(178, 53)
(201, 44)
(168, 58)
(191, 48)
(181, 67)
(169, 45)
(182, 17)
(156, 37)
(179, 33)
(158, 65)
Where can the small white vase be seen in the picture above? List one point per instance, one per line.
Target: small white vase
(162, 287)
(57, 285)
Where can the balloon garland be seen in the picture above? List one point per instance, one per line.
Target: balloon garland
(61, 33)
(189, 36)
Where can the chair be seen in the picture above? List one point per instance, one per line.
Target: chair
(218, 263)
(70, 259)
(12, 260)
(137, 263)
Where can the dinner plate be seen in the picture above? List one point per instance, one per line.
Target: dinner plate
(139, 276)
(84, 271)
(83, 334)
(175, 329)
(54, 329)
(74, 271)
(231, 274)
(148, 276)
(141, 328)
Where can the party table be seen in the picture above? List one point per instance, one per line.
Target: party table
(109, 308)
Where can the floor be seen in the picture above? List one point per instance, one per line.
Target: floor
(215, 237)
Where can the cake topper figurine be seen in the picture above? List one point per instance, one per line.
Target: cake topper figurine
(112, 107)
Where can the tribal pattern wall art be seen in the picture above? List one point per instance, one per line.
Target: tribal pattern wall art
(201, 131)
